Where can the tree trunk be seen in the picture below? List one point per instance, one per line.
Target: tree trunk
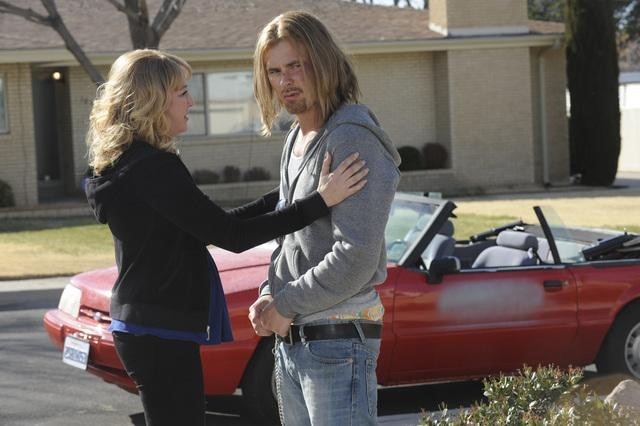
(140, 31)
(592, 73)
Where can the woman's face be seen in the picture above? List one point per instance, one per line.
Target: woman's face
(180, 102)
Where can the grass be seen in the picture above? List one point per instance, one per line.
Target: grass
(49, 247)
(65, 246)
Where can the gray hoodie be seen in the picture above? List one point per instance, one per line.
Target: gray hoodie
(331, 266)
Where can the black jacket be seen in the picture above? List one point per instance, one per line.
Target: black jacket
(161, 224)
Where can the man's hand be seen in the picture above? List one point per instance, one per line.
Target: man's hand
(255, 311)
(272, 320)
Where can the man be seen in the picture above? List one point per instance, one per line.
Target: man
(320, 296)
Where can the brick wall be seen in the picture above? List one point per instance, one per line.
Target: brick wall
(480, 104)
(457, 14)
(400, 89)
(17, 148)
(491, 116)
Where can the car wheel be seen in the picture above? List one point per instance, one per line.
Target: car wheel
(259, 384)
(620, 352)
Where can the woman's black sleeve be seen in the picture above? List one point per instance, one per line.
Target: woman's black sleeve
(265, 204)
(166, 185)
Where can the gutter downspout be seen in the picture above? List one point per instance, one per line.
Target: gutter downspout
(543, 116)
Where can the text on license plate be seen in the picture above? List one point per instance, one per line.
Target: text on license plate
(75, 352)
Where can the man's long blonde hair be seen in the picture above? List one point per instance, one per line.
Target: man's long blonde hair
(334, 79)
(132, 103)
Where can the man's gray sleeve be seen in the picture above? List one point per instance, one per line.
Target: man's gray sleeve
(358, 226)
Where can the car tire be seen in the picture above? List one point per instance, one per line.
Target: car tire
(258, 385)
(620, 351)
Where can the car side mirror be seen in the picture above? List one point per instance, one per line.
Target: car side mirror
(442, 266)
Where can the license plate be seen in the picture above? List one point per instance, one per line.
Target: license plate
(75, 352)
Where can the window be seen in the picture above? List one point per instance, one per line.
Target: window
(223, 104)
(4, 123)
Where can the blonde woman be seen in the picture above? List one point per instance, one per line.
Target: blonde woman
(167, 299)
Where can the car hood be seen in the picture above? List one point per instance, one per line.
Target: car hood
(96, 284)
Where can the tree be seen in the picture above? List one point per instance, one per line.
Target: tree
(142, 34)
(546, 10)
(592, 74)
(627, 16)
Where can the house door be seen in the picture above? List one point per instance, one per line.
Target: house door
(52, 126)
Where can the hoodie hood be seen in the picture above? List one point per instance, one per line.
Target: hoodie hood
(360, 115)
(102, 189)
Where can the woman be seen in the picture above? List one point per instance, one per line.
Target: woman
(167, 299)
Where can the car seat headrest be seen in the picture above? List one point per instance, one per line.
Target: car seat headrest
(517, 240)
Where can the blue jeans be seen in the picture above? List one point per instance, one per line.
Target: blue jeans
(327, 382)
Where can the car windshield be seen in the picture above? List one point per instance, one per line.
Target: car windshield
(407, 219)
(567, 240)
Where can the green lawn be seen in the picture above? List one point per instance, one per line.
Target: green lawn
(48, 247)
(64, 246)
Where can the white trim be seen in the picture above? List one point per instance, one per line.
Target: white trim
(480, 31)
(629, 77)
(61, 57)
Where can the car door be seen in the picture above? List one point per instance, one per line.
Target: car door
(479, 322)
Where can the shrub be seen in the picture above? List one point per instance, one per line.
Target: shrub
(434, 155)
(256, 173)
(205, 177)
(411, 158)
(6, 195)
(230, 174)
(545, 396)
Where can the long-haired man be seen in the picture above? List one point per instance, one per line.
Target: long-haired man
(320, 297)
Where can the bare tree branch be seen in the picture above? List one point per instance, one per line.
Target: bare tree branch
(28, 14)
(168, 12)
(142, 35)
(58, 24)
(131, 14)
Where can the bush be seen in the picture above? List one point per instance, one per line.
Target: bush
(545, 396)
(6, 195)
(256, 173)
(411, 158)
(434, 156)
(230, 174)
(205, 177)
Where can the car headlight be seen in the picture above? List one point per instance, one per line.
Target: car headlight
(70, 300)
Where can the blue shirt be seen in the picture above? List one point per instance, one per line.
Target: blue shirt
(218, 324)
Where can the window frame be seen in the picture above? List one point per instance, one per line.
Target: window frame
(203, 74)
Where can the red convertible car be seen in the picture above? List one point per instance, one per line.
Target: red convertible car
(455, 309)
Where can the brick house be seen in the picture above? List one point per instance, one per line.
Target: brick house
(476, 76)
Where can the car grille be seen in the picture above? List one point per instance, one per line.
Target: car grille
(100, 317)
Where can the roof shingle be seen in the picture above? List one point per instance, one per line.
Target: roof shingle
(221, 24)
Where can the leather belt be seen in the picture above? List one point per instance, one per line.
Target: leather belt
(346, 330)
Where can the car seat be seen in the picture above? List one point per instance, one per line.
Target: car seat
(443, 244)
(513, 248)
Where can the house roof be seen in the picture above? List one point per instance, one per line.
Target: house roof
(211, 25)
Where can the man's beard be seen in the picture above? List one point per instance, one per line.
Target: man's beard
(298, 107)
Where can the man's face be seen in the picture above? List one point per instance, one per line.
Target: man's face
(291, 77)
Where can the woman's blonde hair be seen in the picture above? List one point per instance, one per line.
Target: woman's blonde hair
(334, 78)
(132, 103)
